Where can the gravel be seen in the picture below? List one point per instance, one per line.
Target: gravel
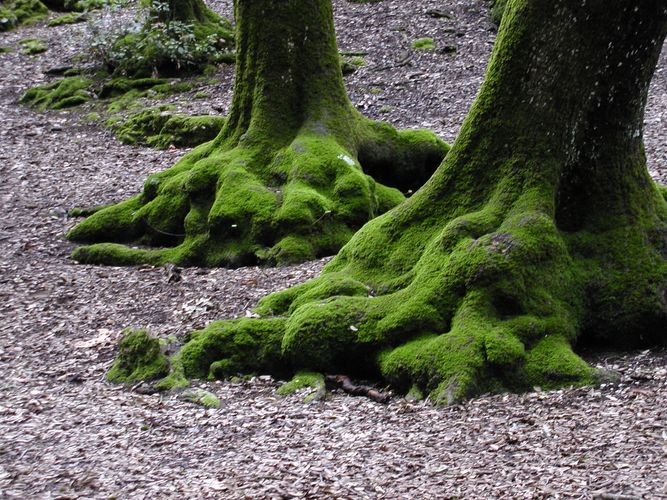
(65, 433)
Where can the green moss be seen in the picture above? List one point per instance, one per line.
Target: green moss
(302, 380)
(60, 94)
(121, 85)
(85, 211)
(160, 128)
(33, 46)
(92, 117)
(21, 12)
(69, 18)
(551, 364)
(139, 358)
(253, 345)
(201, 397)
(423, 44)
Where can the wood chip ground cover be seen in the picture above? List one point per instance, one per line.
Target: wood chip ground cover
(65, 433)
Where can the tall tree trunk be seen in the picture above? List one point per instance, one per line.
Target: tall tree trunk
(287, 179)
(540, 229)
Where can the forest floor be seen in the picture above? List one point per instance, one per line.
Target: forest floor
(66, 433)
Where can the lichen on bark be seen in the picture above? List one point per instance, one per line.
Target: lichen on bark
(293, 173)
(541, 229)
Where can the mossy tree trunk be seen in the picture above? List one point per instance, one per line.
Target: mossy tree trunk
(541, 228)
(286, 180)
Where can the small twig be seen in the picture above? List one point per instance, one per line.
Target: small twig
(345, 383)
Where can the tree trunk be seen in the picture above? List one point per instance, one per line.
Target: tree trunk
(286, 179)
(540, 229)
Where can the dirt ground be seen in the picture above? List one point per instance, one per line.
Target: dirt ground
(66, 433)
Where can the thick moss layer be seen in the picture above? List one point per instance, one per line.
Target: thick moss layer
(69, 18)
(140, 358)
(292, 174)
(541, 229)
(21, 12)
(60, 94)
(160, 128)
(122, 94)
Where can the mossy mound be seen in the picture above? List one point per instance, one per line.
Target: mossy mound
(21, 12)
(32, 46)
(140, 358)
(69, 18)
(160, 128)
(123, 93)
(119, 86)
(423, 44)
(61, 94)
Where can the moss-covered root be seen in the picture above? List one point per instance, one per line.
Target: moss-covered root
(247, 204)
(140, 358)
(60, 94)
(160, 128)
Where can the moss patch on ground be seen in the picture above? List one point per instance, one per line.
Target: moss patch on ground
(119, 93)
(21, 12)
(201, 397)
(140, 358)
(423, 44)
(305, 380)
(31, 46)
(69, 18)
(61, 94)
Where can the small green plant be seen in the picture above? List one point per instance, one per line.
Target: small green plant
(156, 43)
(423, 44)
